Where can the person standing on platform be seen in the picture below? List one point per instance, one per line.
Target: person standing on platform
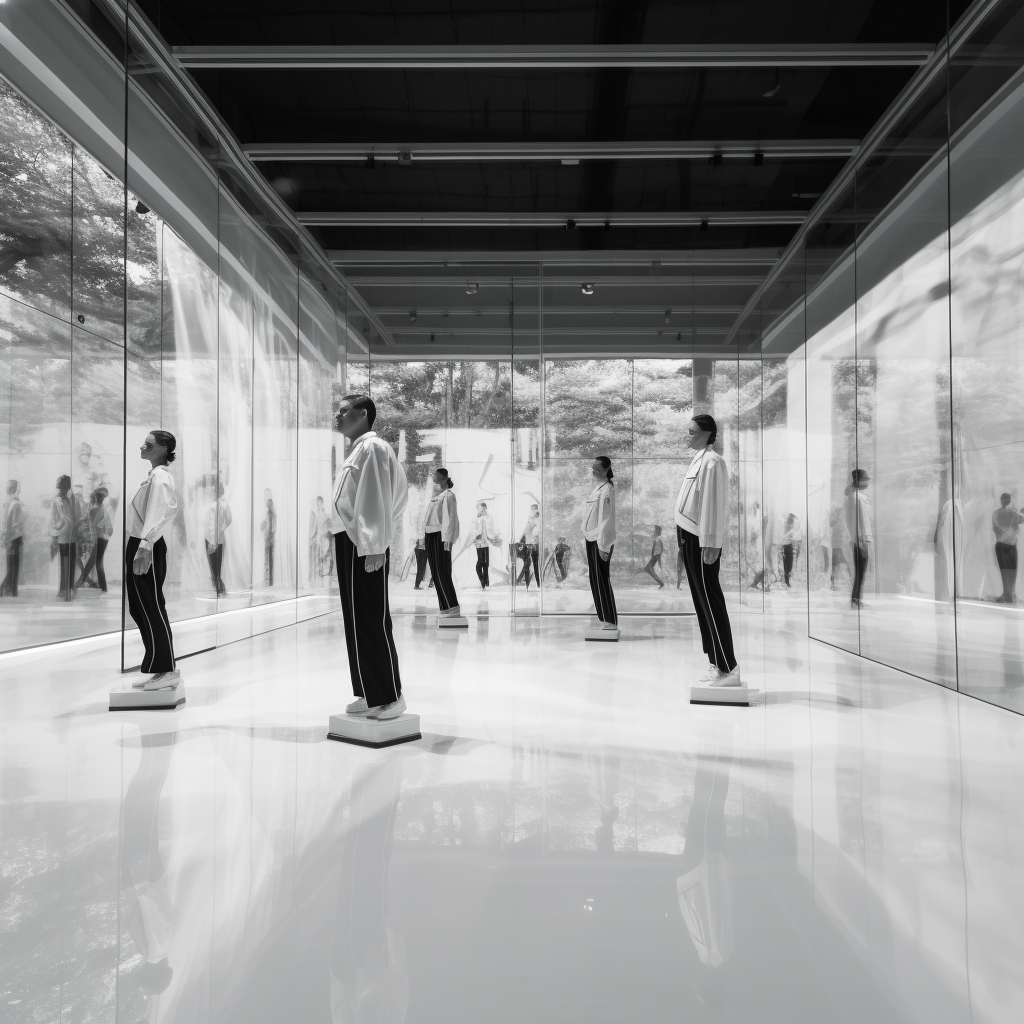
(657, 550)
(483, 537)
(700, 530)
(150, 514)
(370, 495)
(441, 531)
(599, 533)
(102, 530)
(1006, 521)
(13, 531)
(858, 522)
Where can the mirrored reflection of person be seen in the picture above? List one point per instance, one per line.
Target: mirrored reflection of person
(69, 526)
(840, 539)
(529, 548)
(102, 530)
(269, 530)
(150, 515)
(858, 522)
(483, 538)
(218, 519)
(149, 914)
(700, 531)
(325, 540)
(561, 567)
(370, 495)
(440, 532)
(13, 527)
(704, 885)
(654, 562)
(792, 539)
(599, 532)
(1006, 522)
(421, 562)
(369, 983)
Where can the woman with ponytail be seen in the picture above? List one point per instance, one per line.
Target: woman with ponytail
(441, 531)
(599, 532)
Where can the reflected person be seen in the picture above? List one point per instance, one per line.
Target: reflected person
(654, 562)
(13, 538)
(102, 529)
(1006, 522)
(483, 537)
(792, 538)
(440, 532)
(561, 553)
(370, 495)
(599, 532)
(150, 515)
(531, 546)
(325, 538)
(269, 530)
(69, 524)
(858, 522)
(421, 563)
(218, 519)
(700, 531)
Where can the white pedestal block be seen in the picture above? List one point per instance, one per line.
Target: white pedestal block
(599, 633)
(740, 696)
(452, 622)
(147, 700)
(368, 732)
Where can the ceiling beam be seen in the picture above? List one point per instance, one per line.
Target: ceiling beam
(566, 152)
(484, 282)
(695, 55)
(530, 219)
(493, 263)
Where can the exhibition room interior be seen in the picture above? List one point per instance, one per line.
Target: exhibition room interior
(545, 238)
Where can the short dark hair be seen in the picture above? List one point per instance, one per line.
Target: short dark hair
(607, 464)
(1005, 498)
(363, 402)
(63, 480)
(707, 422)
(167, 440)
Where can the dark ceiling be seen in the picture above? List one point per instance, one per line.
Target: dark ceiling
(403, 107)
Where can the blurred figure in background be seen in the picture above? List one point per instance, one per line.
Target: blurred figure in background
(858, 522)
(218, 519)
(69, 526)
(657, 550)
(269, 530)
(102, 530)
(792, 539)
(1006, 522)
(12, 538)
(483, 538)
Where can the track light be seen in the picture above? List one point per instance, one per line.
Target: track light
(587, 289)
(412, 316)
(471, 289)
(668, 313)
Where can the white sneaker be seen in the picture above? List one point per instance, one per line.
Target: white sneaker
(729, 678)
(139, 683)
(609, 625)
(595, 622)
(386, 711)
(711, 673)
(357, 707)
(163, 681)
(451, 613)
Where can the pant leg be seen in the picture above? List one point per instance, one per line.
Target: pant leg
(487, 567)
(709, 603)
(10, 584)
(1006, 559)
(421, 565)
(101, 576)
(535, 559)
(68, 563)
(860, 568)
(480, 553)
(560, 566)
(787, 562)
(369, 636)
(268, 559)
(441, 570)
(600, 584)
(211, 558)
(146, 606)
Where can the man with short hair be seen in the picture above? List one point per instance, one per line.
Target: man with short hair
(1006, 522)
(370, 495)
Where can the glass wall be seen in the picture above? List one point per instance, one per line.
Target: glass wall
(178, 299)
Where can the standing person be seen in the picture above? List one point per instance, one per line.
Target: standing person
(421, 563)
(599, 532)
(150, 514)
(441, 531)
(561, 550)
(858, 522)
(839, 538)
(792, 538)
(218, 519)
(13, 531)
(483, 538)
(1006, 521)
(657, 550)
(700, 530)
(370, 495)
(324, 539)
(269, 530)
(531, 538)
(69, 523)
(102, 529)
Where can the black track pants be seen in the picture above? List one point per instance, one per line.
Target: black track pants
(708, 601)
(483, 564)
(601, 584)
(441, 570)
(146, 606)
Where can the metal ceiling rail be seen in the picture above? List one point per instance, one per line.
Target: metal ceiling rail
(877, 140)
(482, 281)
(674, 264)
(582, 308)
(516, 152)
(695, 55)
(529, 219)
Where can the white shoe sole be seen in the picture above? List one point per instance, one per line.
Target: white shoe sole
(733, 681)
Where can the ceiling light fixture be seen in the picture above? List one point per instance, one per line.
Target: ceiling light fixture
(759, 159)
(471, 288)
(570, 161)
(587, 289)
(668, 313)
(412, 316)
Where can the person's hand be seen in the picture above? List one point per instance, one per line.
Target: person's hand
(605, 555)
(374, 562)
(710, 555)
(143, 561)
(447, 545)
(53, 548)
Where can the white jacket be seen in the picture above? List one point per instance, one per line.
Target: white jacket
(599, 516)
(370, 495)
(703, 497)
(153, 508)
(443, 516)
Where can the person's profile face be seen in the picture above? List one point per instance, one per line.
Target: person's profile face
(597, 468)
(439, 480)
(12, 487)
(349, 420)
(696, 437)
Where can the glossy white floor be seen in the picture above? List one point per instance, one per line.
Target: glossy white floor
(570, 840)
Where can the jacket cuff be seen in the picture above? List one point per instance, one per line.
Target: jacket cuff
(146, 545)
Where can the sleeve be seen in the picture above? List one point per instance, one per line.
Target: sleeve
(449, 518)
(227, 515)
(56, 517)
(714, 495)
(606, 520)
(161, 509)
